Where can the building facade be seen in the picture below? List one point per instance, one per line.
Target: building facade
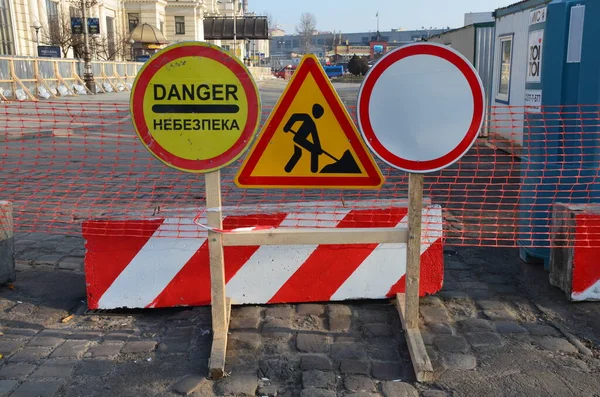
(25, 24)
(286, 47)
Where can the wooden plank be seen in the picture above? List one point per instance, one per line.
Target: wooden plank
(40, 79)
(62, 81)
(219, 309)
(16, 81)
(413, 249)
(218, 351)
(416, 347)
(316, 236)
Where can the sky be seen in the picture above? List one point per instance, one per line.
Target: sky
(359, 15)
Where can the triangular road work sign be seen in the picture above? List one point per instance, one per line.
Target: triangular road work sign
(309, 140)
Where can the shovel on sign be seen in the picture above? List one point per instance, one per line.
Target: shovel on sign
(344, 165)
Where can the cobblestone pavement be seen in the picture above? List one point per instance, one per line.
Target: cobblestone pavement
(495, 329)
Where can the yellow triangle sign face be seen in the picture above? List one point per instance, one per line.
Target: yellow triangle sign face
(309, 140)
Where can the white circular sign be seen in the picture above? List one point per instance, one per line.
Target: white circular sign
(420, 107)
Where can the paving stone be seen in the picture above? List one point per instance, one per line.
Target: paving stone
(499, 315)
(23, 309)
(399, 389)
(494, 305)
(71, 263)
(471, 285)
(388, 370)
(509, 327)
(8, 347)
(71, 349)
(247, 311)
(318, 379)
(340, 324)
(179, 345)
(475, 325)
(542, 330)
(354, 367)
(87, 335)
(556, 345)
(440, 328)
(434, 314)
(138, 347)
(431, 300)
(277, 325)
(427, 337)
(48, 260)
(383, 349)
(267, 391)
(377, 330)
(305, 309)
(122, 335)
(358, 383)
(30, 354)
(454, 295)
(6, 386)
(282, 311)
(312, 343)
(315, 362)
(362, 394)
(244, 341)
(312, 392)
(373, 314)
(484, 339)
(339, 310)
(56, 369)
(16, 371)
(345, 351)
(45, 341)
(481, 294)
(434, 393)
(20, 332)
(450, 343)
(106, 349)
(54, 333)
(238, 385)
(244, 322)
(188, 384)
(463, 362)
(95, 367)
(505, 289)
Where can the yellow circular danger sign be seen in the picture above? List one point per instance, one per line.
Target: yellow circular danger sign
(195, 107)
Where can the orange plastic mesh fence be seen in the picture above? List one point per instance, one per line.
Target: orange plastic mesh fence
(62, 163)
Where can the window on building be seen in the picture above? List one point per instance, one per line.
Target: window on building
(179, 25)
(74, 12)
(53, 22)
(110, 35)
(7, 43)
(504, 70)
(134, 20)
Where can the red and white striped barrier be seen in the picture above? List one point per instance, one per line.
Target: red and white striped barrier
(166, 264)
(575, 251)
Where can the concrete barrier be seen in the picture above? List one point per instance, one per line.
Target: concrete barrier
(7, 243)
(260, 73)
(574, 254)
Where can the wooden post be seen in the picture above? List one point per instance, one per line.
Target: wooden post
(413, 249)
(16, 80)
(407, 304)
(13, 77)
(220, 306)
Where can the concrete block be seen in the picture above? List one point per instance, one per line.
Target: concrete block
(7, 243)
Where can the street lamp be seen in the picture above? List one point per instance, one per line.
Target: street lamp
(233, 3)
(37, 28)
(88, 75)
(131, 42)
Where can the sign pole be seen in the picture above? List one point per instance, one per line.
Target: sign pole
(413, 249)
(220, 306)
(408, 303)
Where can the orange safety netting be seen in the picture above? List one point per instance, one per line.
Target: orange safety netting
(63, 162)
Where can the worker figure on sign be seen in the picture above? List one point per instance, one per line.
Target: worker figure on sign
(301, 141)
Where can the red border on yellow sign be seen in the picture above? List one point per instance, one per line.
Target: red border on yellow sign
(170, 54)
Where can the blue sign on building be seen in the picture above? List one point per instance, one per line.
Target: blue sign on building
(93, 25)
(76, 25)
(142, 58)
(48, 51)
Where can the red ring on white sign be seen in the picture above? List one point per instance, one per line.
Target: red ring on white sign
(460, 133)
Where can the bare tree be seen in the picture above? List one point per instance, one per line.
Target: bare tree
(113, 48)
(306, 29)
